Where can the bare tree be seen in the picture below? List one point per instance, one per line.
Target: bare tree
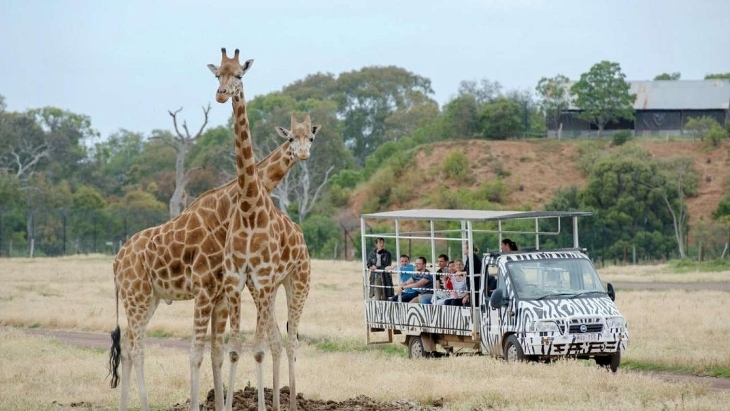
(677, 181)
(181, 144)
(300, 186)
(22, 159)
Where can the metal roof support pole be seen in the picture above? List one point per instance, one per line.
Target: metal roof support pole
(433, 257)
(499, 228)
(537, 233)
(398, 254)
(363, 241)
(575, 232)
(472, 292)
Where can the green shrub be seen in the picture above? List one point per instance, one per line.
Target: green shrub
(716, 134)
(621, 137)
(455, 165)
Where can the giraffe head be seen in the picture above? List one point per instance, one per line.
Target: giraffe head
(230, 75)
(300, 136)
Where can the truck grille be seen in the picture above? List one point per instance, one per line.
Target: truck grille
(590, 328)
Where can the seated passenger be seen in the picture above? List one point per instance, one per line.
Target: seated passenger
(427, 296)
(458, 296)
(405, 269)
(443, 294)
(420, 280)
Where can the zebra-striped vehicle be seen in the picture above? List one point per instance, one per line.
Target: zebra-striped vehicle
(538, 303)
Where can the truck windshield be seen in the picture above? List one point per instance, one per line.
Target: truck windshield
(539, 279)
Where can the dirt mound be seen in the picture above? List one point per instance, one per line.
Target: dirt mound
(245, 400)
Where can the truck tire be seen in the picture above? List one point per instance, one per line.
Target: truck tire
(513, 350)
(611, 361)
(415, 348)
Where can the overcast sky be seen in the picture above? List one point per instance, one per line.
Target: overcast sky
(126, 63)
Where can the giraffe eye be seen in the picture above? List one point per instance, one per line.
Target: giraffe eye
(311, 139)
(291, 139)
(240, 77)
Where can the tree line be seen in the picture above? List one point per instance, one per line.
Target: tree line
(63, 192)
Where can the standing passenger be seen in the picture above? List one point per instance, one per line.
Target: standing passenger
(381, 284)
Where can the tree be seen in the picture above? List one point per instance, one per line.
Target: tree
(23, 145)
(460, 118)
(501, 119)
(631, 210)
(717, 76)
(603, 95)
(667, 76)
(526, 104)
(181, 144)
(368, 97)
(676, 181)
(485, 91)
(64, 136)
(706, 127)
(554, 97)
(299, 190)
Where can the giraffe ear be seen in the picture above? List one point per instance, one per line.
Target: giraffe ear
(213, 68)
(281, 131)
(246, 65)
(315, 128)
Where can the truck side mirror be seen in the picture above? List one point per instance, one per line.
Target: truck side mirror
(497, 299)
(611, 292)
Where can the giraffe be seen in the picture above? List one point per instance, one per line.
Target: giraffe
(144, 276)
(264, 249)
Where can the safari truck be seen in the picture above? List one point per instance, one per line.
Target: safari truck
(533, 304)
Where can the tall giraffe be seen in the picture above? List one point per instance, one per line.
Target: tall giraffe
(160, 263)
(264, 249)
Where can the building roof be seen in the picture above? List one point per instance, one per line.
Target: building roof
(679, 95)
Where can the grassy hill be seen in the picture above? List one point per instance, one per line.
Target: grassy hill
(530, 171)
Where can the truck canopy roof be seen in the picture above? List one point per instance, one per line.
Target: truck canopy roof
(472, 215)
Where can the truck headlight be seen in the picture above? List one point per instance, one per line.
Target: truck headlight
(615, 322)
(543, 326)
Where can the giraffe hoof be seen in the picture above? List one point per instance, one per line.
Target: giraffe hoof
(168, 302)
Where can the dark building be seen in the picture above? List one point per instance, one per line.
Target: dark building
(662, 107)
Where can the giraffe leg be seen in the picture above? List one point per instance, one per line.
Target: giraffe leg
(138, 316)
(262, 325)
(235, 343)
(217, 328)
(273, 336)
(126, 370)
(200, 329)
(296, 294)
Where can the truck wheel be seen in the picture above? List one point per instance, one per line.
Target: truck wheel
(513, 350)
(611, 361)
(415, 348)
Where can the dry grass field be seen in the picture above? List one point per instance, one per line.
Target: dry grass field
(674, 329)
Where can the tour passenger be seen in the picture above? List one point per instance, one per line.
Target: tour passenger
(381, 283)
(420, 280)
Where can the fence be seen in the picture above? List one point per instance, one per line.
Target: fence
(64, 231)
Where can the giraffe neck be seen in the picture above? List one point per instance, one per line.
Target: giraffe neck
(276, 165)
(246, 175)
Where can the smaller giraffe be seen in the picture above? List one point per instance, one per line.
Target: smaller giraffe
(182, 260)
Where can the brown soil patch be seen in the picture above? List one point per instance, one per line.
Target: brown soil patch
(534, 169)
(246, 399)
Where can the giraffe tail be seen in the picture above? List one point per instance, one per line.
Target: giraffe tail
(115, 354)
